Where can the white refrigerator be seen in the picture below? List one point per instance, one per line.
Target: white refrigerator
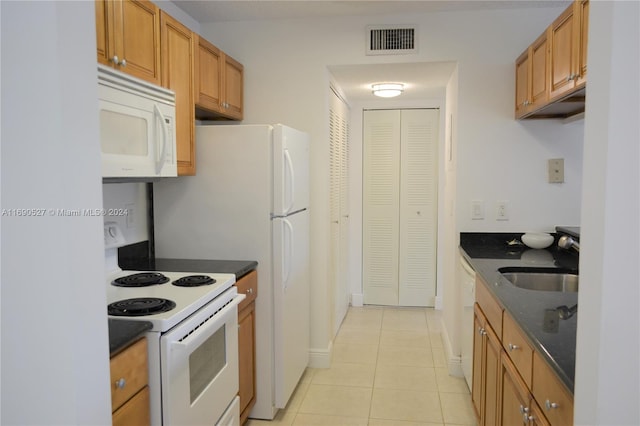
(249, 200)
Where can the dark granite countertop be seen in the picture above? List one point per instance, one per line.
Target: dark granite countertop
(124, 332)
(535, 311)
(237, 267)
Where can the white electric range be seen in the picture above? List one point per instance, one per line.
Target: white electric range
(193, 342)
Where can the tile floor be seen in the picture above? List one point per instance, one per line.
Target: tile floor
(388, 368)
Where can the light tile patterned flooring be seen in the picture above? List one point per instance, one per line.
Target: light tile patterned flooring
(388, 369)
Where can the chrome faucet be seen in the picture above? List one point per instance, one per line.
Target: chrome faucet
(566, 242)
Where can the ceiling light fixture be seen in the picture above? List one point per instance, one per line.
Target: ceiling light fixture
(387, 90)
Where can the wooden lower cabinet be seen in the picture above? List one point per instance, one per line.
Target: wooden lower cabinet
(512, 383)
(247, 285)
(517, 406)
(129, 386)
(486, 366)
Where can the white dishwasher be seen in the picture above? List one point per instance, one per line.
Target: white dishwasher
(467, 277)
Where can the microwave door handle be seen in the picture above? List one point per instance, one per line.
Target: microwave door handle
(165, 137)
(291, 176)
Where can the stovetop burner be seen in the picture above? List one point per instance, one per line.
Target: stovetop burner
(142, 279)
(194, 281)
(140, 306)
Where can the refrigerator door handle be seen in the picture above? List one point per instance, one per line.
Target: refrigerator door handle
(290, 180)
(288, 253)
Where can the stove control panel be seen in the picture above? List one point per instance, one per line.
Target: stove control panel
(113, 236)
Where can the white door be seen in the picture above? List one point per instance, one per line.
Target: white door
(381, 214)
(339, 206)
(400, 207)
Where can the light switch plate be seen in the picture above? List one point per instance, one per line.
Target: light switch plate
(556, 170)
(477, 210)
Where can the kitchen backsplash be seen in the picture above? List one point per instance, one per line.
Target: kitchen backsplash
(127, 205)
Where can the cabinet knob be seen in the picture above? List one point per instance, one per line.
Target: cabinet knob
(114, 59)
(482, 331)
(513, 347)
(120, 383)
(249, 291)
(123, 63)
(524, 409)
(550, 405)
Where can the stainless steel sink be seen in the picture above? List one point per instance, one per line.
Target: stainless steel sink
(546, 280)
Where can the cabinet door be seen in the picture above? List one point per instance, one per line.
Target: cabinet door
(246, 359)
(233, 106)
(478, 339)
(523, 95)
(139, 44)
(581, 12)
(135, 411)
(486, 370)
(515, 398)
(491, 377)
(104, 31)
(208, 75)
(128, 37)
(561, 38)
(539, 82)
(177, 75)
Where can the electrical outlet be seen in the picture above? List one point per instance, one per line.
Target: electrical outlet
(502, 210)
(477, 209)
(556, 170)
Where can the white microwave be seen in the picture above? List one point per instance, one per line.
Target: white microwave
(137, 127)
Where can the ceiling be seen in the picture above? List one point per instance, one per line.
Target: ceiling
(423, 80)
(249, 10)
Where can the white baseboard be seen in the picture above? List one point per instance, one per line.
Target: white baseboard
(454, 362)
(320, 358)
(357, 300)
(438, 304)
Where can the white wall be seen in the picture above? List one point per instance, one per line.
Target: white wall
(132, 198)
(608, 343)
(498, 158)
(55, 353)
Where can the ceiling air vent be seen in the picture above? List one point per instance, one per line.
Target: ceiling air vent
(391, 40)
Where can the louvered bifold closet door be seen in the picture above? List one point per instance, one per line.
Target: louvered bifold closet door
(338, 206)
(381, 195)
(418, 207)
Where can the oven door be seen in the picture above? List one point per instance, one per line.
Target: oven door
(199, 363)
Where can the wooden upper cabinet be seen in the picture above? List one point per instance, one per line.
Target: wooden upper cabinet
(539, 83)
(532, 77)
(562, 40)
(568, 49)
(523, 83)
(177, 74)
(219, 83)
(582, 12)
(552, 72)
(208, 77)
(128, 37)
(233, 88)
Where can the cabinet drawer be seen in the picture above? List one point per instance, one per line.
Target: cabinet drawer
(248, 285)
(551, 394)
(128, 373)
(135, 411)
(518, 348)
(490, 307)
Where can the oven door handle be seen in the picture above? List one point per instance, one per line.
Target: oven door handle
(206, 329)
